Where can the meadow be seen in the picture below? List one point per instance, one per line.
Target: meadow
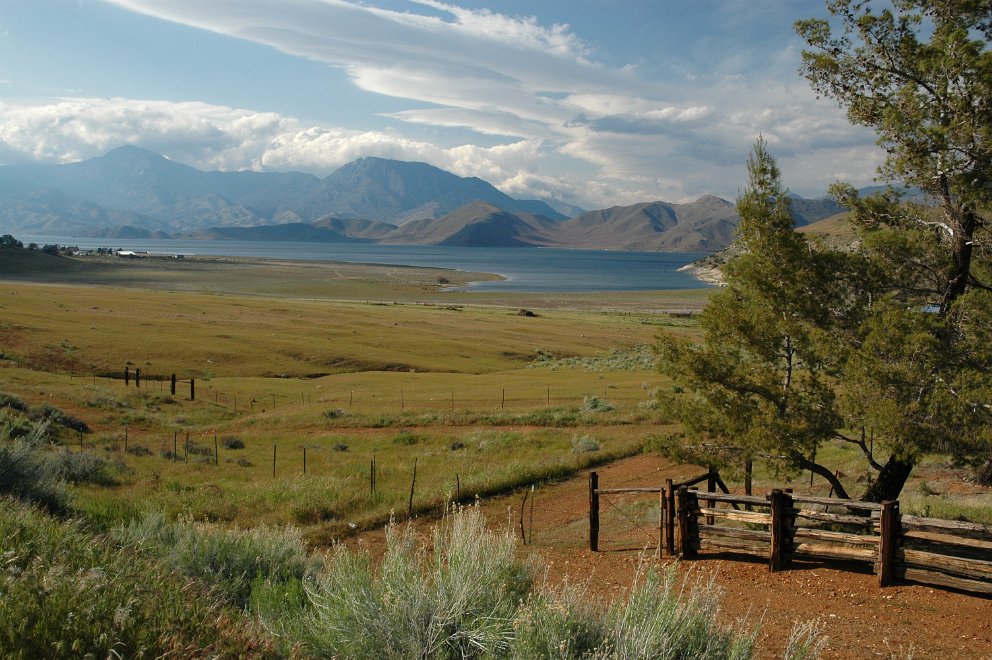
(312, 402)
(296, 395)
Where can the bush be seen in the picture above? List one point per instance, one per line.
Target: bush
(46, 413)
(584, 443)
(470, 597)
(340, 446)
(334, 413)
(593, 404)
(139, 450)
(231, 560)
(231, 442)
(83, 467)
(12, 402)
(28, 474)
(406, 439)
(460, 602)
(67, 593)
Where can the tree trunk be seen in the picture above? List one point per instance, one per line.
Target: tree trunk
(890, 480)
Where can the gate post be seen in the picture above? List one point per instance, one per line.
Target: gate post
(670, 518)
(888, 524)
(685, 528)
(593, 511)
(779, 530)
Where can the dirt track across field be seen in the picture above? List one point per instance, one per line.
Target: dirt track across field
(860, 619)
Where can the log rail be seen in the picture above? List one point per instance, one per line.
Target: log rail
(784, 527)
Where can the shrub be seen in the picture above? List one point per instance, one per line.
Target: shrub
(593, 404)
(46, 413)
(231, 560)
(197, 449)
(654, 622)
(584, 443)
(470, 597)
(83, 467)
(334, 413)
(67, 593)
(405, 438)
(340, 446)
(139, 450)
(232, 442)
(460, 602)
(12, 402)
(28, 474)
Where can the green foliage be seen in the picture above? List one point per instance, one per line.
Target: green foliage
(28, 473)
(584, 443)
(230, 560)
(46, 413)
(82, 467)
(655, 623)
(67, 593)
(920, 74)
(458, 602)
(472, 598)
(406, 438)
(762, 379)
(232, 442)
(12, 402)
(593, 404)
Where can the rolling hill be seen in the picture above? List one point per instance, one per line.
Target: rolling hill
(132, 192)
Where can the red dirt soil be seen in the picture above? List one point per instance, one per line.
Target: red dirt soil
(858, 618)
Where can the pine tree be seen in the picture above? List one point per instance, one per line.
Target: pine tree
(762, 380)
(920, 74)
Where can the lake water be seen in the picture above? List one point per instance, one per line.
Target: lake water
(525, 269)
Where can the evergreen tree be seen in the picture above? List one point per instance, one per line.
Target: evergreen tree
(762, 380)
(920, 74)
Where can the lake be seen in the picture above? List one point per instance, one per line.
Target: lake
(525, 269)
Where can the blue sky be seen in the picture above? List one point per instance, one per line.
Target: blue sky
(596, 103)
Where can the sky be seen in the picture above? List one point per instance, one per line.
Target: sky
(595, 103)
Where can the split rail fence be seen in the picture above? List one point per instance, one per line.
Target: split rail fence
(784, 527)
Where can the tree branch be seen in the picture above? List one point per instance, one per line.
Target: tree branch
(806, 464)
(864, 448)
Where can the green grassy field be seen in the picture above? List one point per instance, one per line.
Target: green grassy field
(337, 363)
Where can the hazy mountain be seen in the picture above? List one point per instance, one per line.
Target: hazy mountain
(132, 192)
(479, 224)
(398, 192)
(163, 195)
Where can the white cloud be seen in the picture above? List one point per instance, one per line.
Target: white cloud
(622, 136)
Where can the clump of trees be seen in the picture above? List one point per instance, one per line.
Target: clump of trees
(807, 345)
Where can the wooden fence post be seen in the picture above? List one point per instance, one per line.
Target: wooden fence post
(779, 502)
(127, 376)
(273, 461)
(685, 528)
(304, 460)
(670, 518)
(710, 488)
(172, 385)
(137, 377)
(413, 485)
(192, 389)
(888, 525)
(593, 511)
(662, 509)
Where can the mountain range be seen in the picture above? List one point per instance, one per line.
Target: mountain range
(135, 193)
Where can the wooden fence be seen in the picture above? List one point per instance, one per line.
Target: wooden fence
(784, 527)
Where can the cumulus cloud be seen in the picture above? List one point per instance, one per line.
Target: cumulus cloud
(571, 128)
